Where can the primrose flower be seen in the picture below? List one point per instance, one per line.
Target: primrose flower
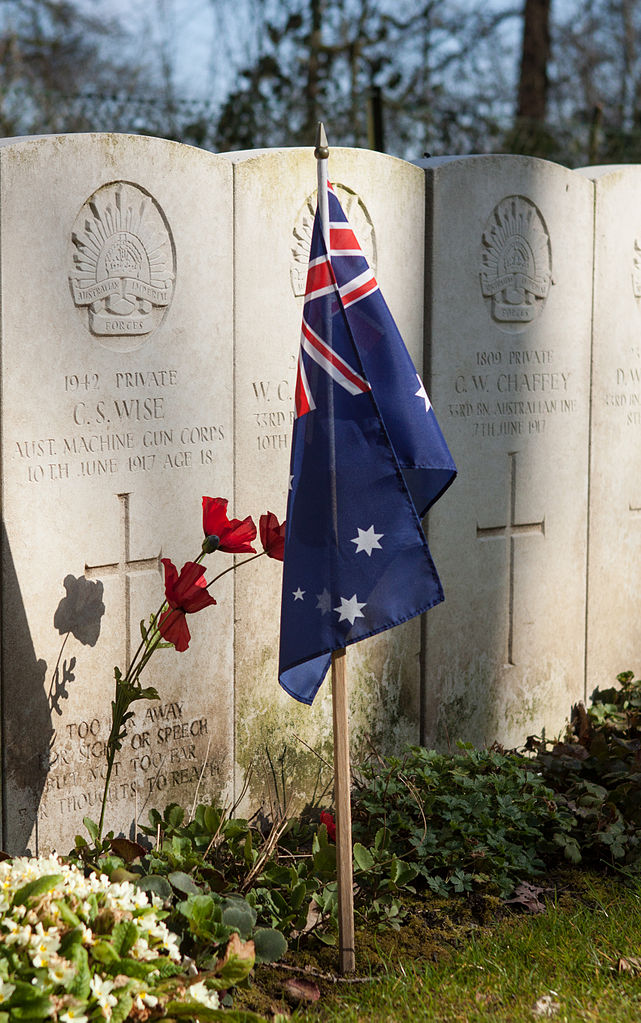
(6, 990)
(201, 993)
(73, 1016)
(185, 593)
(144, 1000)
(60, 971)
(272, 536)
(235, 536)
(43, 945)
(101, 988)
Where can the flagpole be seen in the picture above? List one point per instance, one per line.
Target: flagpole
(340, 707)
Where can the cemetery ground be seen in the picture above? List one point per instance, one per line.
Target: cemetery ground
(489, 884)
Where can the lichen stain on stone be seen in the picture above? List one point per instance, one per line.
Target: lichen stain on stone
(383, 679)
(482, 705)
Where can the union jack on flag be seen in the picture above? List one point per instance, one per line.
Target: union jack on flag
(368, 459)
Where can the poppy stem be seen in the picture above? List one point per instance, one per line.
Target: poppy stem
(232, 567)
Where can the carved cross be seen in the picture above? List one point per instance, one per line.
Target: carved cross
(511, 532)
(125, 567)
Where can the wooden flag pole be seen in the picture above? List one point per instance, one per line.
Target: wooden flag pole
(342, 797)
(342, 774)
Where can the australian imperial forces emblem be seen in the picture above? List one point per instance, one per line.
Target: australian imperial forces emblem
(123, 264)
(516, 263)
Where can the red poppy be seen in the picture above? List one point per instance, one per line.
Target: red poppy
(272, 536)
(235, 535)
(185, 593)
(328, 820)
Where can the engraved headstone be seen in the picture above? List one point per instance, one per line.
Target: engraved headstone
(509, 243)
(116, 271)
(614, 564)
(275, 200)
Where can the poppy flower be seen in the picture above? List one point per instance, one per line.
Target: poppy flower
(235, 535)
(185, 594)
(328, 820)
(272, 536)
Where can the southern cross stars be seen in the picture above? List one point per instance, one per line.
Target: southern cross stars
(324, 602)
(422, 393)
(367, 540)
(350, 610)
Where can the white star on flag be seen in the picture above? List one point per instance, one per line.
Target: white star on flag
(422, 393)
(324, 604)
(367, 540)
(298, 594)
(350, 610)
(291, 480)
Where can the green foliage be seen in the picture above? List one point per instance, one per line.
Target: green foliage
(596, 774)
(478, 818)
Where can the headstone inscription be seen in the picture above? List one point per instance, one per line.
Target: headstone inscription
(509, 243)
(614, 564)
(274, 204)
(116, 418)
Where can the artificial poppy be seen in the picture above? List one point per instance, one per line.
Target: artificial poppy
(185, 593)
(235, 535)
(272, 536)
(327, 819)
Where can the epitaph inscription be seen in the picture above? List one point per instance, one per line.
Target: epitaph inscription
(123, 265)
(516, 263)
(359, 219)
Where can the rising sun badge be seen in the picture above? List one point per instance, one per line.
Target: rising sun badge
(123, 265)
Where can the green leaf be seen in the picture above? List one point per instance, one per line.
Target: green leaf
(149, 693)
(124, 936)
(104, 952)
(155, 883)
(270, 945)
(183, 883)
(121, 1010)
(34, 888)
(363, 857)
(81, 984)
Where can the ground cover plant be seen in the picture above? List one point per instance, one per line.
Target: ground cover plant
(196, 920)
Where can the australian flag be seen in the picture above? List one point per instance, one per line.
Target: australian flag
(368, 459)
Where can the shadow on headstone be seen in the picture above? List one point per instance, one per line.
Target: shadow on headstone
(27, 731)
(78, 614)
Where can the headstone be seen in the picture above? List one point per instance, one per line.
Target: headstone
(117, 384)
(614, 563)
(275, 198)
(509, 279)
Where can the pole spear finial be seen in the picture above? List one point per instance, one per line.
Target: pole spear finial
(322, 149)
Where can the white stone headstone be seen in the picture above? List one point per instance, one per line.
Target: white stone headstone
(614, 564)
(274, 203)
(117, 386)
(509, 280)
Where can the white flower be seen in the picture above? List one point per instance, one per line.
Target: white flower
(44, 945)
(101, 989)
(73, 1016)
(6, 990)
(143, 998)
(60, 971)
(201, 993)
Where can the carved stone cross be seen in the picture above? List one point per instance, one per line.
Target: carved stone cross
(511, 532)
(125, 567)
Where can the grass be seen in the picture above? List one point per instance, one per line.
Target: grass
(449, 970)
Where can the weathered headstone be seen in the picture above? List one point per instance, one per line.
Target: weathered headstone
(614, 563)
(117, 383)
(274, 203)
(509, 274)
